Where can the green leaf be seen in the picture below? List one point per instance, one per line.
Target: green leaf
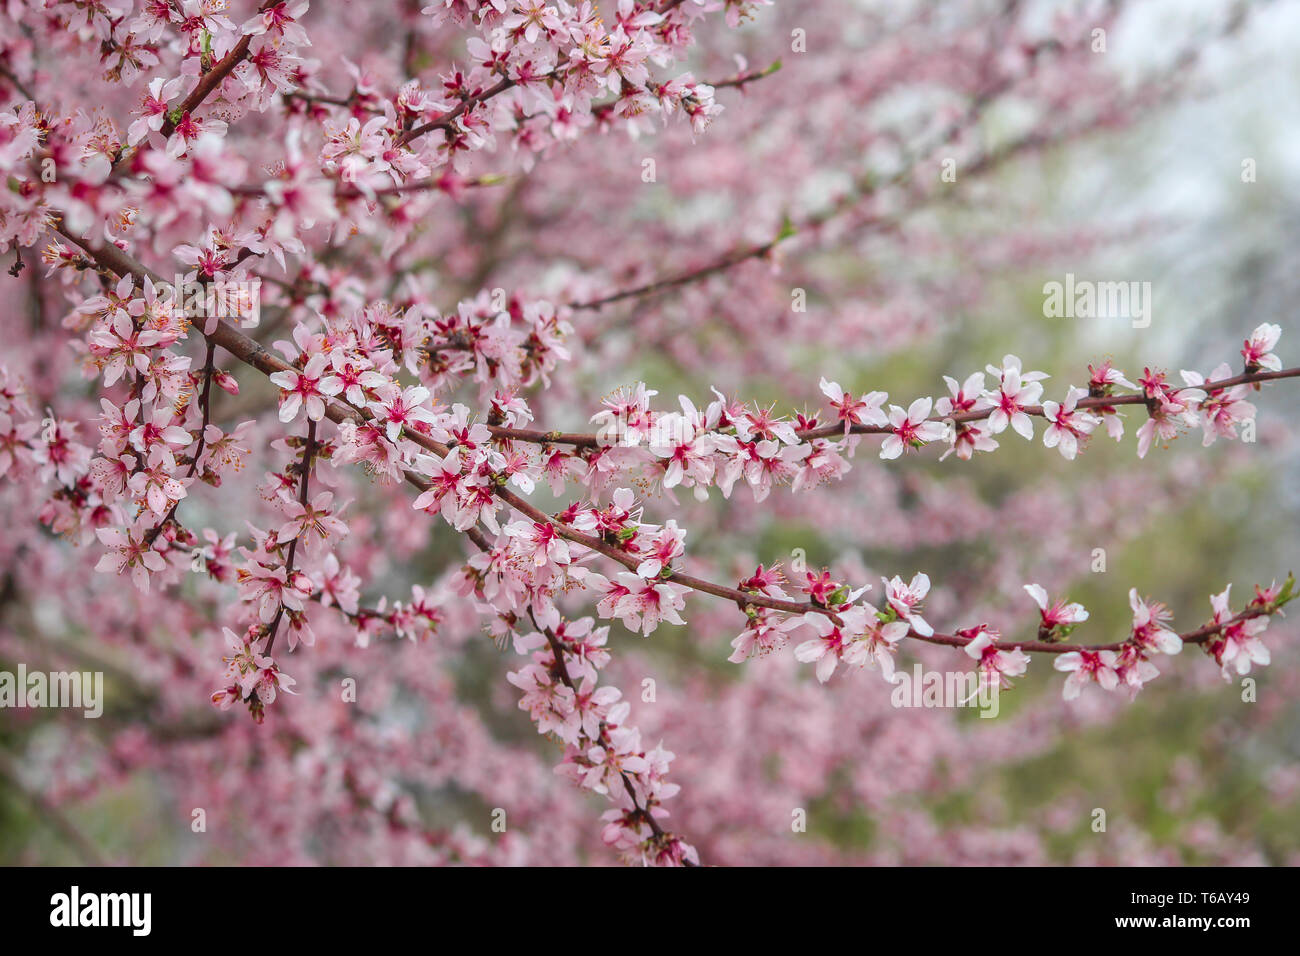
(1288, 592)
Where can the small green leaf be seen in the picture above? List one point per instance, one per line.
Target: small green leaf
(1288, 592)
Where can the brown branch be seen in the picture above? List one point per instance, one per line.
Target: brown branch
(1106, 401)
(208, 82)
(303, 487)
(205, 403)
(255, 355)
(446, 119)
(592, 440)
(562, 671)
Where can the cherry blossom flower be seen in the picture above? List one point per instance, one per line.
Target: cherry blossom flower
(122, 345)
(549, 703)
(1056, 620)
(367, 443)
(765, 631)
(279, 19)
(626, 418)
(155, 485)
(665, 545)
(912, 429)
(266, 680)
(268, 587)
(876, 645)
(403, 409)
(968, 438)
(539, 543)
(1222, 408)
(995, 665)
(643, 605)
(130, 550)
(1086, 666)
(688, 453)
(154, 111)
(56, 455)
(1149, 630)
(306, 389)
(1258, 349)
(961, 398)
(1162, 425)
(863, 410)
(1069, 427)
(158, 429)
(828, 647)
(313, 523)
(1237, 645)
(1104, 377)
(904, 600)
(1016, 390)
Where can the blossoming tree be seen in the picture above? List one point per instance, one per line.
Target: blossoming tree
(308, 298)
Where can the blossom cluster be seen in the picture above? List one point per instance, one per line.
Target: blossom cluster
(603, 753)
(537, 75)
(375, 380)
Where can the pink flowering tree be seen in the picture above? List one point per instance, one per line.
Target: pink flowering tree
(338, 426)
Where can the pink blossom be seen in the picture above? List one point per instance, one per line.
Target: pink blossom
(833, 642)
(313, 523)
(403, 409)
(154, 111)
(962, 397)
(1015, 391)
(1056, 620)
(996, 665)
(877, 643)
(539, 543)
(1149, 630)
(1085, 666)
(645, 604)
(911, 428)
(129, 551)
(1237, 644)
(306, 389)
(863, 410)
(1069, 428)
(905, 600)
(666, 544)
(1222, 408)
(1258, 349)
